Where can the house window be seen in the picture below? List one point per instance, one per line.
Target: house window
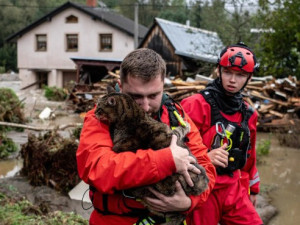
(41, 42)
(72, 42)
(72, 19)
(106, 42)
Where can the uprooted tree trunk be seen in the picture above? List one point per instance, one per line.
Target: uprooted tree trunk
(50, 160)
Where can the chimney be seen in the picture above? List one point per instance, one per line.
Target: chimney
(188, 23)
(91, 3)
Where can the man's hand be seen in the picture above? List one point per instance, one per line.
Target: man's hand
(183, 161)
(219, 156)
(178, 202)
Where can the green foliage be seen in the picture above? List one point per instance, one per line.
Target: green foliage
(7, 146)
(10, 107)
(177, 12)
(21, 211)
(263, 147)
(280, 49)
(231, 25)
(55, 93)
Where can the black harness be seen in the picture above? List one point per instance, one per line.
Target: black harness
(238, 152)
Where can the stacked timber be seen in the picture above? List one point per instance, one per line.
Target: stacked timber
(277, 101)
(83, 97)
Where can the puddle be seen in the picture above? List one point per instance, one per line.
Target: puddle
(280, 171)
(9, 168)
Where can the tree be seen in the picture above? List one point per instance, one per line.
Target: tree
(280, 46)
(232, 23)
(196, 13)
(177, 12)
(174, 10)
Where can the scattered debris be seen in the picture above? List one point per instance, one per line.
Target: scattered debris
(277, 101)
(23, 126)
(45, 114)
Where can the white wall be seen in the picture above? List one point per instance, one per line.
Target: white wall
(56, 57)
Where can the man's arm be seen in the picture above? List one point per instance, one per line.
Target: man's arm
(108, 171)
(180, 201)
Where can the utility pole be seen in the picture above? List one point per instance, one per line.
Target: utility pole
(136, 25)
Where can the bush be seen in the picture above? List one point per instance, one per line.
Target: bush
(263, 147)
(7, 146)
(10, 107)
(55, 93)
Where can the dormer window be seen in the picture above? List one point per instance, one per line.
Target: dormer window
(72, 19)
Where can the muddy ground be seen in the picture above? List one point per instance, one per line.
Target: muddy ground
(44, 196)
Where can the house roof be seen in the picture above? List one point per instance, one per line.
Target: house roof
(103, 14)
(191, 42)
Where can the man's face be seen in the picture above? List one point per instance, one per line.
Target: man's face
(233, 80)
(147, 95)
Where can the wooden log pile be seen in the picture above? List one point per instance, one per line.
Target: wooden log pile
(277, 101)
(83, 97)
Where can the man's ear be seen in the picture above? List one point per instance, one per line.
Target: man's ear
(120, 85)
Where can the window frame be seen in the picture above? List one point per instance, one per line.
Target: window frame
(39, 44)
(102, 45)
(72, 49)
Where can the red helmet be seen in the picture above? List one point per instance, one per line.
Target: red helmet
(238, 57)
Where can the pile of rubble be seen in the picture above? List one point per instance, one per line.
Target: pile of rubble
(277, 101)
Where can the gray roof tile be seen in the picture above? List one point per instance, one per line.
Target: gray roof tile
(192, 42)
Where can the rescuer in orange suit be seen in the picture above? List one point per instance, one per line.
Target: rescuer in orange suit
(142, 76)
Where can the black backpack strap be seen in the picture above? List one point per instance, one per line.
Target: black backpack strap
(134, 212)
(215, 111)
(175, 117)
(247, 113)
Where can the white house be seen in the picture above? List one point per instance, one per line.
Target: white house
(45, 47)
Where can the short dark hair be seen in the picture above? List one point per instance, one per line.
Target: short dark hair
(143, 63)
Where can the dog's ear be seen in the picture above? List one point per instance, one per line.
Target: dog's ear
(110, 89)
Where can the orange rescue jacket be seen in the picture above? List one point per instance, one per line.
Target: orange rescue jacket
(109, 172)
